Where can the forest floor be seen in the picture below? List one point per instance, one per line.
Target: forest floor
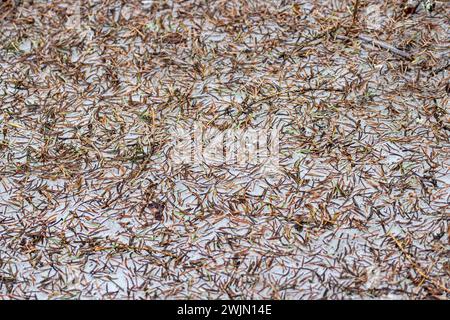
(96, 96)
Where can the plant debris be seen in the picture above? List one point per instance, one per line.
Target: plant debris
(91, 205)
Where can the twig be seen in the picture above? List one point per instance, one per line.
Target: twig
(355, 12)
(379, 43)
(418, 269)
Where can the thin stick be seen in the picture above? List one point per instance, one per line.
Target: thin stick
(379, 43)
(418, 269)
(355, 12)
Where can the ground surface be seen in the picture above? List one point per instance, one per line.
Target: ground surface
(92, 207)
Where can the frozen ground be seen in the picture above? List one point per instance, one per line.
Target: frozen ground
(91, 205)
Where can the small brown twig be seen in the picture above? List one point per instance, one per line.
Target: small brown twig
(381, 44)
(416, 267)
(355, 12)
